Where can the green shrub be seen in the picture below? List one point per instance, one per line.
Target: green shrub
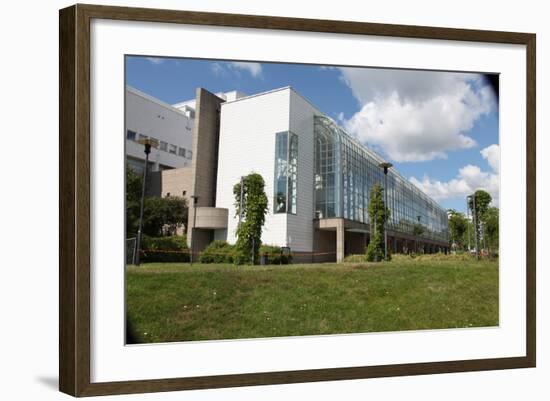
(275, 255)
(242, 257)
(218, 252)
(164, 249)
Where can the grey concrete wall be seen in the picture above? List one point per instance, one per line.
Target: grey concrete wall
(205, 161)
(211, 217)
(205, 147)
(201, 240)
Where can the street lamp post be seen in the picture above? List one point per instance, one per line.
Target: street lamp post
(484, 248)
(418, 218)
(241, 201)
(472, 199)
(385, 166)
(195, 199)
(147, 144)
(241, 214)
(468, 199)
(476, 234)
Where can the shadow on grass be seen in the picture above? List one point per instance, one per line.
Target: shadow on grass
(131, 336)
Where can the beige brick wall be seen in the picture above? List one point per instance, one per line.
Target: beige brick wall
(177, 182)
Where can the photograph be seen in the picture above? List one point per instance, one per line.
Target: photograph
(258, 199)
(271, 199)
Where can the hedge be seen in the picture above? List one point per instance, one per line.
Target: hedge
(275, 255)
(164, 249)
(218, 252)
(174, 249)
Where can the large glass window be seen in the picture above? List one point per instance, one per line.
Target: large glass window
(286, 169)
(327, 179)
(345, 172)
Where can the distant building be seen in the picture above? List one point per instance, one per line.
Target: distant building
(318, 178)
(147, 117)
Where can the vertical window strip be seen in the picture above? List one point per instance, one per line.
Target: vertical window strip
(286, 173)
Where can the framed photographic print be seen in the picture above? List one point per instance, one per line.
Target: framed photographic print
(250, 200)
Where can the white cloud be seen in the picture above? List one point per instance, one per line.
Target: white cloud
(469, 179)
(155, 60)
(492, 155)
(216, 68)
(416, 115)
(255, 69)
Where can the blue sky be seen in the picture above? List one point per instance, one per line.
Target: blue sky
(440, 129)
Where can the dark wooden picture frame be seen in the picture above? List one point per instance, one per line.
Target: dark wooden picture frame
(74, 203)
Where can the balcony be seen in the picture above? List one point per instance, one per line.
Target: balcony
(210, 217)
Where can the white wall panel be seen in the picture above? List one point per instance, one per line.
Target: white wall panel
(300, 225)
(247, 144)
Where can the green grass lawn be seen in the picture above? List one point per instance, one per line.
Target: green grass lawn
(177, 302)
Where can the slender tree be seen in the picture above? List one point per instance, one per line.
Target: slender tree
(491, 220)
(478, 204)
(378, 214)
(418, 230)
(458, 226)
(251, 207)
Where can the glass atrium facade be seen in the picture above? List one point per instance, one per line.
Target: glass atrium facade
(345, 171)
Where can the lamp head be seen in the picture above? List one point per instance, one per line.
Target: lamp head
(148, 143)
(385, 166)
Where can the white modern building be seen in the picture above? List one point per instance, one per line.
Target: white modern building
(171, 127)
(257, 134)
(318, 178)
(190, 105)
